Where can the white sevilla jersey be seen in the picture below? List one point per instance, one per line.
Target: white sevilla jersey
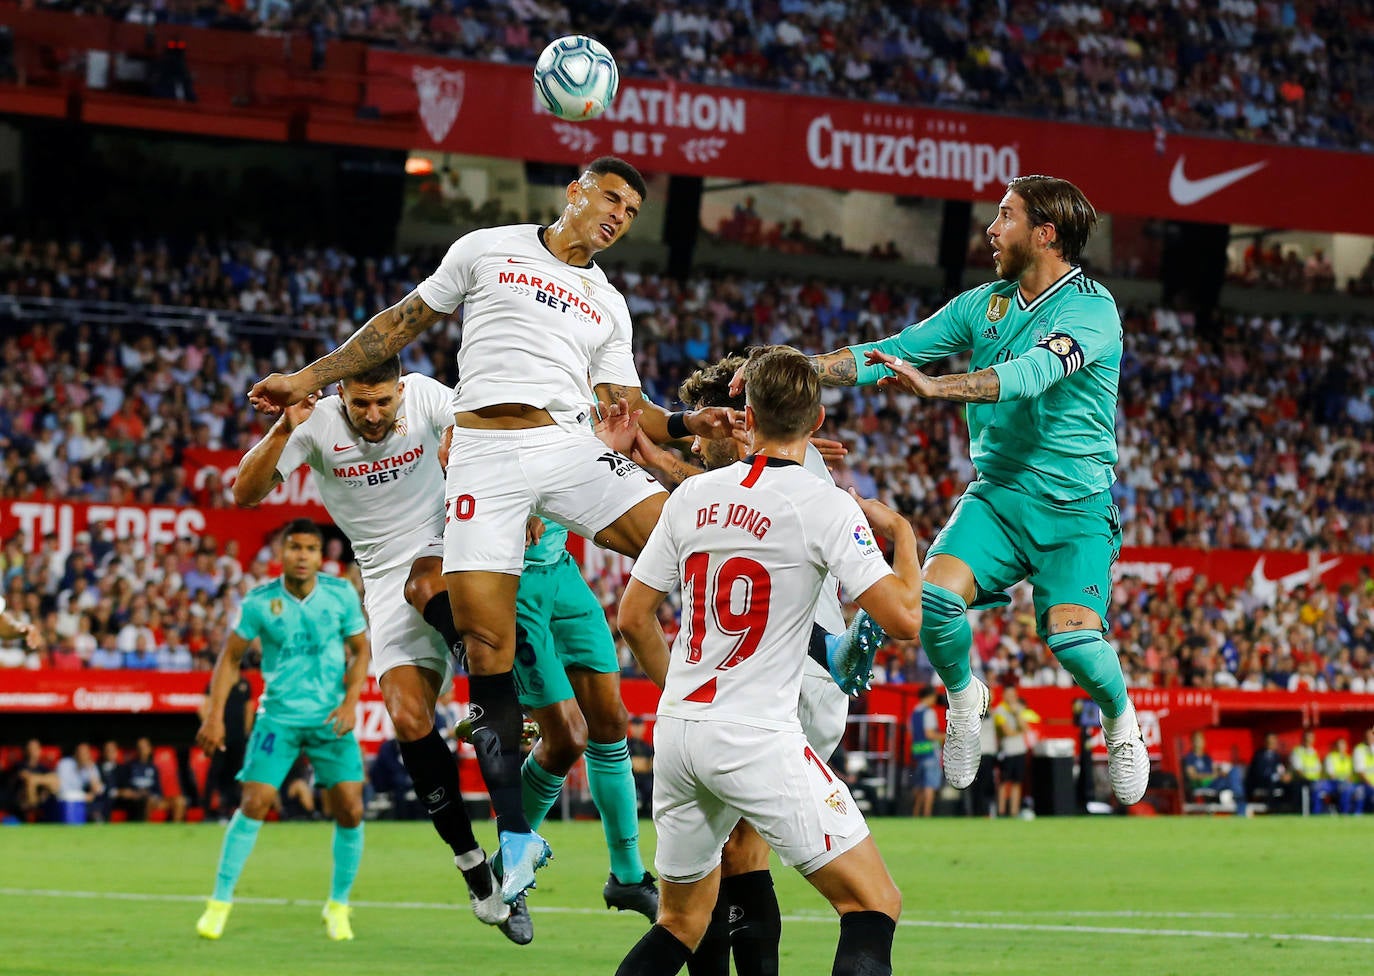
(534, 328)
(751, 545)
(829, 613)
(387, 497)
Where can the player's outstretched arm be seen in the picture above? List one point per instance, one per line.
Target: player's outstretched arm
(980, 386)
(638, 622)
(225, 676)
(257, 474)
(710, 422)
(384, 335)
(894, 601)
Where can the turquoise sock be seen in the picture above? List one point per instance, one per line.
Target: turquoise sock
(1094, 665)
(945, 635)
(539, 791)
(613, 791)
(348, 854)
(239, 838)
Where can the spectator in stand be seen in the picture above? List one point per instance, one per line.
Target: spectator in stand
(138, 789)
(1206, 780)
(1013, 720)
(36, 784)
(641, 764)
(1269, 780)
(923, 727)
(1362, 763)
(222, 779)
(1339, 770)
(79, 781)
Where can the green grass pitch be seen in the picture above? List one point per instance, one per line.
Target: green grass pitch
(1109, 895)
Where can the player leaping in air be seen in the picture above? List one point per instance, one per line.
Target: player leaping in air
(1045, 343)
(751, 545)
(540, 319)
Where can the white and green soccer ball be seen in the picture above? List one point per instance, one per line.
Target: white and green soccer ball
(576, 78)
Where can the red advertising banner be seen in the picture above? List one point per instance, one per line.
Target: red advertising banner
(1267, 573)
(490, 109)
(150, 524)
(204, 464)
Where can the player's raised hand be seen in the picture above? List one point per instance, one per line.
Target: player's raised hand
(646, 453)
(211, 735)
(831, 451)
(275, 392)
(883, 520)
(534, 530)
(299, 413)
(344, 718)
(715, 423)
(737, 381)
(616, 425)
(906, 377)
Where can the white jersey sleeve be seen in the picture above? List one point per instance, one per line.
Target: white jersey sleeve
(302, 446)
(614, 361)
(450, 283)
(845, 544)
(829, 613)
(657, 565)
(435, 403)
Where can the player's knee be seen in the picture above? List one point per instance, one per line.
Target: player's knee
(350, 812)
(256, 806)
(689, 929)
(411, 721)
(421, 588)
(609, 724)
(561, 745)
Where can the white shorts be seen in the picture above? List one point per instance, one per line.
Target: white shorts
(399, 635)
(707, 775)
(498, 478)
(822, 707)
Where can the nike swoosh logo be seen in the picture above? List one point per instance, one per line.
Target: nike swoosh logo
(1269, 586)
(342, 447)
(1186, 192)
(513, 261)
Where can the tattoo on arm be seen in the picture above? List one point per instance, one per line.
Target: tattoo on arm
(836, 368)
(982, 386)
(384, 335)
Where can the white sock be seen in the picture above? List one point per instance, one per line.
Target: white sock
(469, 859)
(966, 699)
(1121, 728)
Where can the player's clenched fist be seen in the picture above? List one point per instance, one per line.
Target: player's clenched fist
(883, 520)
(211, 735)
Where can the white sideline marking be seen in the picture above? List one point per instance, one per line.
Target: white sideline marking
(925, 923)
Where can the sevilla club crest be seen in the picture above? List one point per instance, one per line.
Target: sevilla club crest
(441, 96)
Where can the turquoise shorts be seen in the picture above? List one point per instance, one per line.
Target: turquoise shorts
(1064, 549)
(559, 625)
(273, 748)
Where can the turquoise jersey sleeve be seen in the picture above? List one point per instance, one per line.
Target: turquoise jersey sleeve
(550, 547)
(250, 621)
(943, 334)
(1084, 333)
(353, 622)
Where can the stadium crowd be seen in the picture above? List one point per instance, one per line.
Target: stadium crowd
(1257, 433)
(1292, 71)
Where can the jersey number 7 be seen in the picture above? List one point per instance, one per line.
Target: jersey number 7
(747, 625)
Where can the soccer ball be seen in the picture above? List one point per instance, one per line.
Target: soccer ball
(576, 78)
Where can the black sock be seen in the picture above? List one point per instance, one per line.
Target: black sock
(712, 955)
(496, 725)
(659, 953)
(435, 774)
(865, 947)
(755, 922)
(439, 615)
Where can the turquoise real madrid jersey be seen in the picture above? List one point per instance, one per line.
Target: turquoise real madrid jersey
(303, 653)
(1052, 432)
